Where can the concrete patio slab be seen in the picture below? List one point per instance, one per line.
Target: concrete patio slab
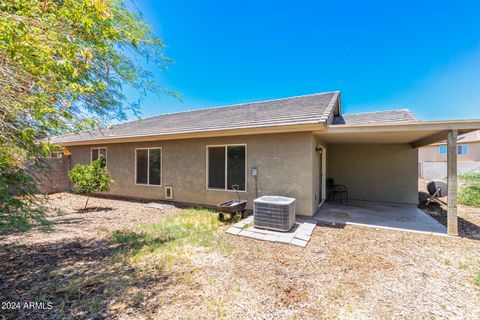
(270, 237)
(299, 235)
(284, 239)
(299, 243)
(302, 237)
(233, 230)
(244, 222)
(307, 226)
(246, 233)
(289, 233)
(395, 217)
(304, 232)
(258, 236)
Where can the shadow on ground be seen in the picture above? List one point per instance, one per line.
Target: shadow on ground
(80, 278)
(94, 209)
(24, 219)
(466, 228)
(39, 219)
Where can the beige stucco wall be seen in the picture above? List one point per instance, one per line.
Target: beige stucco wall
(383, 173)
(287, 165)
(283, 162)
(431, 153)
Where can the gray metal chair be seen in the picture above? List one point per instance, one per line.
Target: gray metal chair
(334, 189)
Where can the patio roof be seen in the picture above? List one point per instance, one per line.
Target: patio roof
(417, 134)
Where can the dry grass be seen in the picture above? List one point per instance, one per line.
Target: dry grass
(90, 269)
(469, 193)
(171, 239)
(477, 278)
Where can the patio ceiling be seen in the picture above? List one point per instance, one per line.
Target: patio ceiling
(417, 134)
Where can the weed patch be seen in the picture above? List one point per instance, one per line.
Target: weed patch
(248, 225)
(462, 266)
(470, 177)
(170, 238)
(469, 193)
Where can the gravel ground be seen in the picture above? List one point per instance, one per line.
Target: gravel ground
(68, 222)
(468, 217)
(344, 273)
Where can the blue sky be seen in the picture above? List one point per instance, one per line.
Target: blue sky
(421, 55)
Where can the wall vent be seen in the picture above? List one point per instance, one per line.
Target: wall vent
(168, 193)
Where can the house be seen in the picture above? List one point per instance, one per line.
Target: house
(284, 147)
(433, 158)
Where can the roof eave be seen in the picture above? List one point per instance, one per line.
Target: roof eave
(302, 127)
(415, 133)
(469, 125)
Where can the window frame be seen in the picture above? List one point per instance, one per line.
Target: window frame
(98, 148)
(148, 168)
(57, 155)
(464, 147)
(226, 166)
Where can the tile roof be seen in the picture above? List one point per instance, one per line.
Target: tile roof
(308, 109)
(388, 116)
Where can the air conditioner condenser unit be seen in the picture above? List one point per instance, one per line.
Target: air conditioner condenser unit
(274, 213)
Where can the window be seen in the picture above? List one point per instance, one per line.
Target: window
(56, 154)
(216, 167)
(148, 168)
(462, 149)
(99, 152)
(226, 167)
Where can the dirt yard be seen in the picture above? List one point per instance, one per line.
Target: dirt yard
(468, 217)
(349, 273)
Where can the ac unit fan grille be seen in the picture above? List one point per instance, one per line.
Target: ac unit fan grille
(274, 216)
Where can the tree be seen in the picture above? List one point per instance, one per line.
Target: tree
(63, 67)
(91, 178)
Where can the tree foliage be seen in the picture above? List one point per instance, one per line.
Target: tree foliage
(90, 178)
(64, 65)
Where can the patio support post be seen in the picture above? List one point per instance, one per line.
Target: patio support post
(452, 220)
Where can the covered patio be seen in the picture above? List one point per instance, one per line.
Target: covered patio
(377, 215)
(374, 162)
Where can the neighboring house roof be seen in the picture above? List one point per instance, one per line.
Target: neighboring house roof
(470, 137)
(387, 116)
(308, 109)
